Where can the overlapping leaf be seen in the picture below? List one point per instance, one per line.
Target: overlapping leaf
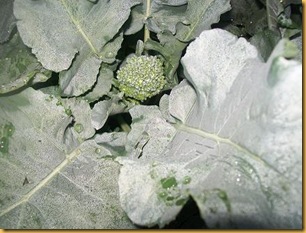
(48, 179)
(233, 142)
(199, 16)
(157, 15)
(74, 36)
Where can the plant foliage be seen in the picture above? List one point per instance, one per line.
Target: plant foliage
(118, 114)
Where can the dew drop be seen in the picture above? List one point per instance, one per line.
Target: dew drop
(78, 127)
(97, 150)
(8, 130)
(162, 194)
(186, 180)
(168, 182)
(109, 55)
(4, 143)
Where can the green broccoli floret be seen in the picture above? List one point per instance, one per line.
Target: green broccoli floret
(141, 77)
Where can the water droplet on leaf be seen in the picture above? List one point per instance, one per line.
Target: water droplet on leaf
(162, 194)
(97, 150)
(4, 143)
(78, 127)
(109, 55)
(186, 180)
(168, 182)
(8, 130)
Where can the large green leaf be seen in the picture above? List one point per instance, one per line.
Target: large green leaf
(47, 178)
(73, 34)
(232, 140)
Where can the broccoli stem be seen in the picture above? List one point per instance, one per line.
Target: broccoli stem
(146, 35)
(123, 125)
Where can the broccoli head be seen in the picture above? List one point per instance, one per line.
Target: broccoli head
(141, 77)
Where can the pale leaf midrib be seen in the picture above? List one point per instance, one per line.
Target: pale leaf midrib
(227, 141)
(79, 28)
(190, 32)
(42, 183)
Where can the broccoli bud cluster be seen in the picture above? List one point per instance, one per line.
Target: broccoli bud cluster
(141, 77)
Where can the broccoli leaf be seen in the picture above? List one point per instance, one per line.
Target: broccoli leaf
(199, 16)
(246, 22)
(102, 86)
(230, 138)
(72, 36)
(265, 41)
(274, 8)
(47, 180)
(158, 15)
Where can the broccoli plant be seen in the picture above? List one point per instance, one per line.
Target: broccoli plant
(125, 114)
